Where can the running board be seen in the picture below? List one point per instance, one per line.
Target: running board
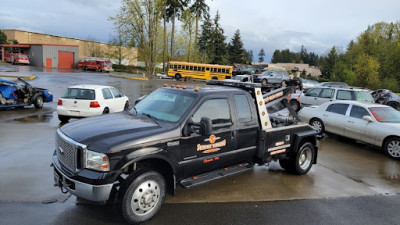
(214, 175)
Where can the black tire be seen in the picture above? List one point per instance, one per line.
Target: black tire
(141, 196)
(38, 102)
(304, 159)
(394, 105)
(126, 107)
(178, 76)
(287, 164)
(214, 78)
(99, 69)
(264, 82)
(106, 111)
(295, 105)
(284, 83)
(392, 148)
(318, 125)
(63, 119)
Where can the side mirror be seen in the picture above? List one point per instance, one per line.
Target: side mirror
(367, 118)
(205, 126)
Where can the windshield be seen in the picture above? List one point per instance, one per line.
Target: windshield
(385, 114)
(237, 77)
(165, 105)
(79, 93)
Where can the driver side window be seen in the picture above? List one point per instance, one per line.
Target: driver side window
(215, 109)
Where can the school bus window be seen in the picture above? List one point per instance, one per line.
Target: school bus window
(202, 69)
(179, 67)
(219, 70)
(208, 69)
(195, 68)
(175, 66)
(223, 70)
(191, 67)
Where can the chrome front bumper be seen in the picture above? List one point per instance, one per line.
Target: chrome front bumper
(95, 193)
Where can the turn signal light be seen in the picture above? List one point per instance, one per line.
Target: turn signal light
(94, 105)
(59, 102)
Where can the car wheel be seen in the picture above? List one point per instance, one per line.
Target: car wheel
(141, 196)
(214, 78)
(178, 76)
(392, 148)
(264, 82)
(99, 69)
(304, 159)
(283, 83)
(318, 125)
(295, 105)
(38, 102)
(126, 107)
(63, 119)
(394, 105)
(106, 111)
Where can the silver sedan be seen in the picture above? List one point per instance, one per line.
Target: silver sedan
(374, 124)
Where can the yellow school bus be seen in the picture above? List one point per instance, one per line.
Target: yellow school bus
(179, 70)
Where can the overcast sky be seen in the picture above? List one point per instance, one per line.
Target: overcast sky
(270, 24)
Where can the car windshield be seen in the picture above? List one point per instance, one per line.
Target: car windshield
(385, 114)
(79, 93)
(237, 78)
(165, 105)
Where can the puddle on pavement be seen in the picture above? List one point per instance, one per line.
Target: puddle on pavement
(41, 118)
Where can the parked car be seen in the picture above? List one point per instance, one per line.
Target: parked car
(272, 77)
(319, 95)
(90, 100)
(371, 123)
(307, 84)
(386, 97)
(240, 78)
(13, 95)
(333, 84)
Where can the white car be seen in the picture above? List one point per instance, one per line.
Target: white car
(90, 100)
(371, 123)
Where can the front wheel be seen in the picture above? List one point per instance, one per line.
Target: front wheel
(392, 148)
(141, 196)
(318, 125)
(394, 105)
(178, 76)
(304, 159)
(264, 82)
(38, 102)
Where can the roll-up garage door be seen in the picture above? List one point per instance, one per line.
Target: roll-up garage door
(65, 60)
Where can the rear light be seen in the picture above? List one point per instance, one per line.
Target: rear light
(59, 102)
(94, 105)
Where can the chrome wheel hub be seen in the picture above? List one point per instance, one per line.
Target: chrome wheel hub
(145, 197)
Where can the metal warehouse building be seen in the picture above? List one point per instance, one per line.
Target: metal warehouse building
(48, 46)
(54, 56)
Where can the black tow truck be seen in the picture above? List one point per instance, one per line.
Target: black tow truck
(179, 135)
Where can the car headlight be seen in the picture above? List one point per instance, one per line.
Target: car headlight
(96, 161)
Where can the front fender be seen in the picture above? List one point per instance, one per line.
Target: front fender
(309, 136)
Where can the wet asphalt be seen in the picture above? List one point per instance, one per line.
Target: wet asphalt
(352, 183)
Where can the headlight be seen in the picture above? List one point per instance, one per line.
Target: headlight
(96, 161)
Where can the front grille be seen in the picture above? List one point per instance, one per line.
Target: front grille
(68, 151)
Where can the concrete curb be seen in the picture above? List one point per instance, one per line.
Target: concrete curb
(23, 77)
(132, 78)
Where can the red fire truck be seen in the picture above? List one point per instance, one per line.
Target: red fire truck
(94, 63)
(17, 58)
